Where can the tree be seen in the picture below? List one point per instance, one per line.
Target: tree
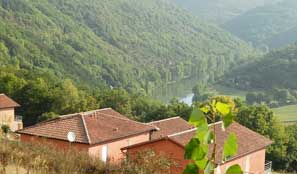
(292, 146)
(118, 99)
(200, 93)
(262, 120)
(35, 98)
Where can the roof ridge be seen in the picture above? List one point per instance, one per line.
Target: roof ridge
(218, 122)
(183, 132)
(127, 119)
(190, 130)
(84, 113)
(86, 129)
(166, 119)
(68, 115)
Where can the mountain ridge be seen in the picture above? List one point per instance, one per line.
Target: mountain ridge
(127, 43)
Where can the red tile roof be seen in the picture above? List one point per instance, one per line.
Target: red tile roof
(169, 126)
(92, 127)
(6, 102)
(248, 140)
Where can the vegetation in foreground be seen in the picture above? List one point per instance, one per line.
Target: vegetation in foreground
(197, 150)
(28, 158)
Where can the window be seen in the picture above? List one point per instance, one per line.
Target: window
(104, 153)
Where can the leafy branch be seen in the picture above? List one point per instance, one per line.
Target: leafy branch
(197, 150)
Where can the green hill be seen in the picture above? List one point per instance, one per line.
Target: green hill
(284, 38)
(277, 69)
(123, 43)
(261, 24)
(219, 11)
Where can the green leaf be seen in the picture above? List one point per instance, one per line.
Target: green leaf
(235, 169)
(209, 137)
(223, 108)
(228, 119)
(191, 169)
(209, 169)
(197, 118)
(202, 133)
(230, 146)
(195, 150)
(201, 163)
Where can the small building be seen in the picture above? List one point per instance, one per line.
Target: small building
(250, 156)
(101, 133)
(7, 113)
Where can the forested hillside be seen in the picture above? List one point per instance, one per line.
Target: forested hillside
(262, 24)
(277, 69)
(127, 43)
(219, 11)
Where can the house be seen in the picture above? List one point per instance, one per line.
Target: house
(7, 113)
(250, 155)
(101, 133)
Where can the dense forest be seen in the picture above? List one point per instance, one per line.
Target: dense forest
(123, 43)
(262, 25)
(277, 69)
(43, 96)
(218, 11)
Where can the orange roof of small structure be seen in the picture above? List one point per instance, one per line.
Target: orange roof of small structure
(6, 102)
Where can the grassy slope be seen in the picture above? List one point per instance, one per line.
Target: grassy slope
(127, 43)
(224, 90)
(286, 113)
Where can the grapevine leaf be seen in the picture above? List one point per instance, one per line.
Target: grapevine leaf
(235, 169)
(209, 137)
(228, 119)
(197, 118)
(230, 146)
(195, 150)
(201, 163)
(191, 169)
(209, 169)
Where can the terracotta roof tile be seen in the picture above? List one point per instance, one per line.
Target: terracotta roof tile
(169, 126)
(90, 127)
(6, 102)
(248, 140)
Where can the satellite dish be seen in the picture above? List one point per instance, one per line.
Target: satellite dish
(71, 137)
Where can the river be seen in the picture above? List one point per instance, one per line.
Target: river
(183, 91)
